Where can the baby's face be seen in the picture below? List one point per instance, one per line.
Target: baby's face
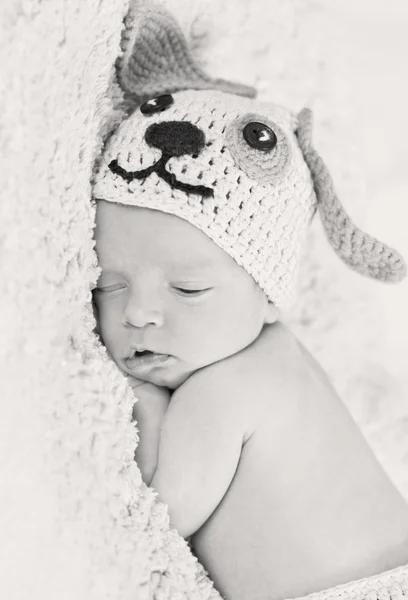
(168, 288)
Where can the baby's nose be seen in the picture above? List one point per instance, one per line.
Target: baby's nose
(142, 318)
(175, 138)
(141, 311)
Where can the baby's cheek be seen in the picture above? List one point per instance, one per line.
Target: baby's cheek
(107, 328)
(215, 343)
(239, 330)
(195, 345)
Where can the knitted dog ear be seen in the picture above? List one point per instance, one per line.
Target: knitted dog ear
(156, 59)
(358, 250)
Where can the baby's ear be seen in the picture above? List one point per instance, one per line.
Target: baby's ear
(357, 249)
(156, 58)
(272, 313)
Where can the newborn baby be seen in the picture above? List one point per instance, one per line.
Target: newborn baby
(255, 455)
(203, 198)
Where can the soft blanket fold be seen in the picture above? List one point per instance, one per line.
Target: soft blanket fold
(390, 584)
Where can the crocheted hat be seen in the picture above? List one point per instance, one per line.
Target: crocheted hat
(242, 171)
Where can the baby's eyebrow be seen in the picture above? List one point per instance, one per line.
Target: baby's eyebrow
(185, 267)
(204, 269)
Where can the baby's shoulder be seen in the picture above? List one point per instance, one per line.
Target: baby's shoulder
(274, 369)
(250, 378)
(255, 369)
(251, 384)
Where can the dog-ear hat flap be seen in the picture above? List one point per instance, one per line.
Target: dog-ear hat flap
(156, 59)
(363, 253)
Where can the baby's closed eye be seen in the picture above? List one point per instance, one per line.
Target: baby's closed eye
(191, 291)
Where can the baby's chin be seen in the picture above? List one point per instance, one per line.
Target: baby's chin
(162, 377)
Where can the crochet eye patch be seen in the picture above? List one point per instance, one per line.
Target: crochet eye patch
(259, 147)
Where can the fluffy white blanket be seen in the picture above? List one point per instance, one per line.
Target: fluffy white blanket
(76, 521)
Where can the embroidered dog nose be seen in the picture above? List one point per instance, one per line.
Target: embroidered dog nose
(175, 138)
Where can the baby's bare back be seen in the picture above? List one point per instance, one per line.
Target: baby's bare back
(309, 506)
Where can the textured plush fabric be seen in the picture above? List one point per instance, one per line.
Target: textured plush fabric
(75, 519)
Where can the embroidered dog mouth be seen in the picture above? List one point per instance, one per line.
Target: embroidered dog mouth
(159, 168)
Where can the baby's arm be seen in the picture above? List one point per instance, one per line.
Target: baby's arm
(200, 447)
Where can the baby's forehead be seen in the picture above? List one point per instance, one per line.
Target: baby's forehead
(155, 237)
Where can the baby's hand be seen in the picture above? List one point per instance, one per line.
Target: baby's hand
(152, 399)
(149, 410)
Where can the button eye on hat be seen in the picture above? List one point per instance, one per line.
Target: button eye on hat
(260, 136)
(156, 105)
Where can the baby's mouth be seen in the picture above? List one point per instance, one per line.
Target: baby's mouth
(145, 359)
(159, 168)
